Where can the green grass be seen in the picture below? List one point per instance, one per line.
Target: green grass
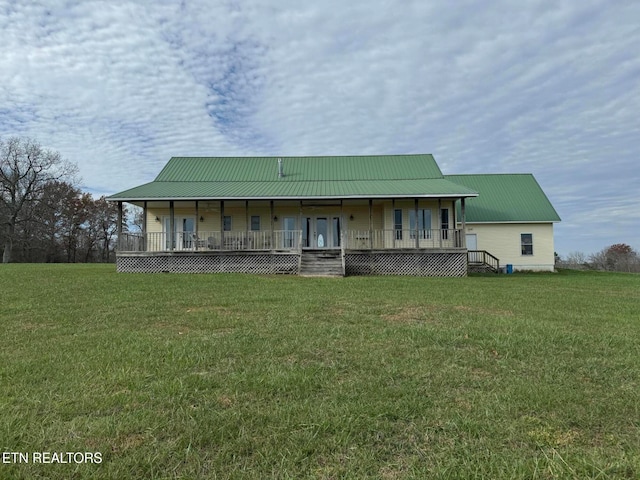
(237, 376)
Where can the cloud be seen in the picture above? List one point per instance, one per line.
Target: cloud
(544, 87)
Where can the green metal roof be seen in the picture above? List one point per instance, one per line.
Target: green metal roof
(505, 198)
(265, 169)
(382, 176)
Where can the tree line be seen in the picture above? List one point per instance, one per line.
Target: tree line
(44, 216)
(618, 257)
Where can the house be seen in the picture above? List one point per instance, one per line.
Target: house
(511, 218)
(341, 215)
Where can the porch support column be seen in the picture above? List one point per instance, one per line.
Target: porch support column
(393, 221)
(415, 208)
(371, 224)
(144, 226)
(440, 220)
(221, 224)
(464, 223)
(272, 225)
(197, 225)
(172, 227)
(246, 224)
(120, 215)
(300, 225)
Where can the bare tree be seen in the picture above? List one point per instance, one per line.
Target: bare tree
(136, 214)
(100, 228)
(53, 223)
(25, 170)
(576, 260)
(619, 257)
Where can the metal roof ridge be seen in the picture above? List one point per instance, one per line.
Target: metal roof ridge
(312, 156)
(279, 180)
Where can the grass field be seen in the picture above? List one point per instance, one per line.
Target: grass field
(251, 377)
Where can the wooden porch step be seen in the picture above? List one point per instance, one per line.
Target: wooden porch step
(321, 263)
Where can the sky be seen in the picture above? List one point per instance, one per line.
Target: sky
(544, 87)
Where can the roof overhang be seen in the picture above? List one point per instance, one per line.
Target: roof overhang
(511, 222)
(296, 197)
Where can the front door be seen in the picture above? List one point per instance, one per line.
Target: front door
(321, 232)
(322, 239)
(183, 232)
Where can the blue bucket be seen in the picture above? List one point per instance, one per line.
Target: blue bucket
(509, 268)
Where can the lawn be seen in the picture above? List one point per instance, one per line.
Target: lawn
(252, 377)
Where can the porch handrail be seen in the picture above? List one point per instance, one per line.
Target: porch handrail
(483, 257)
(403, 238)
(288, 240)
(130, 242)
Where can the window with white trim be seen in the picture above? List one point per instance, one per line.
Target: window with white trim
(397, 223)
(526, 243)
(255, 223)
(424, 223)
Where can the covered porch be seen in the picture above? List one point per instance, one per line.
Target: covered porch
(359, 236)
(373, 224)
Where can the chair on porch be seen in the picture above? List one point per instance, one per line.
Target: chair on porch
(213, 243)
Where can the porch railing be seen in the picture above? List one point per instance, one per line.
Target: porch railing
(390, 239)
(189, 241)
(286, 240)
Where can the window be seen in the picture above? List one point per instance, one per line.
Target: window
(526, 243)
(444, 223)
(424, 223)
(255, 223)
(397, 223)
(227, 223)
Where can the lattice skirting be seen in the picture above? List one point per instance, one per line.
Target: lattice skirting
(261, 263)
(431, 264)
(423, 264)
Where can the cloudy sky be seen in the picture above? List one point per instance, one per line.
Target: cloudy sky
(547, 87)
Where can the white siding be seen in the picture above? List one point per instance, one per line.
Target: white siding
(502, 240)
